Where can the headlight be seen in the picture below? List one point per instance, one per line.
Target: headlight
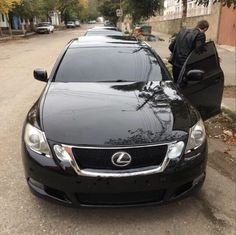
(197, 136)
(175, 150)
(36, 141)
(61, 153)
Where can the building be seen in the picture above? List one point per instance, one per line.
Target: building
(173, 9)
(3, 21)
(221, 19)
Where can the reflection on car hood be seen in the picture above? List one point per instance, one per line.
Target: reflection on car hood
(124, 113)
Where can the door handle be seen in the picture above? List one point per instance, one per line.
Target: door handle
(217, 80)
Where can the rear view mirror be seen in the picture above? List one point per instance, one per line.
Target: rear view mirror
(41, 75)
(194, 75)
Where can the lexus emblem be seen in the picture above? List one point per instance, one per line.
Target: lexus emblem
(121, 159)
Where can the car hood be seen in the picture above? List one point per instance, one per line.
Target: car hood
(127, 113)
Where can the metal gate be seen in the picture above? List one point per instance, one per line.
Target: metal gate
(227, 28)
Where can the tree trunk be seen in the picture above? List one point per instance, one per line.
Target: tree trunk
(184, 14)
(9, 25)
(32, 28)
(1, 32)
(23, 26)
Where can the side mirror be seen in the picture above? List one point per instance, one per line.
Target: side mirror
(41, 75)
(194, 75)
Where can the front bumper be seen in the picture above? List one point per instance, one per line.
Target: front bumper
(48, 180)
(42, 30)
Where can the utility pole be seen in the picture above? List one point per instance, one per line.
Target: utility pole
(119, 13)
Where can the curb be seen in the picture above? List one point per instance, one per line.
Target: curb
(17, 36)
(227, 48)
(227, 107)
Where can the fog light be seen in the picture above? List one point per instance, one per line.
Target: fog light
(61, 153)
(36, 183)
(175, 150)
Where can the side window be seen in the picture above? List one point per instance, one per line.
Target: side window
(205, 59)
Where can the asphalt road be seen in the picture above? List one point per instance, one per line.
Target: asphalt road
(212, 211)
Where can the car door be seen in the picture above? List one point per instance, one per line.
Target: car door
(205, 94)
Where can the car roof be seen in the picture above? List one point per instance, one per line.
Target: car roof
(104, 32)
(102, 28)
(106, 41)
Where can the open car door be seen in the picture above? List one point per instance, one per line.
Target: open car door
(202, 80)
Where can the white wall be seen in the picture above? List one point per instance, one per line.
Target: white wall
(173, 9)
(3, 21)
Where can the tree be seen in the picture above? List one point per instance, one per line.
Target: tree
(108, 10)
(184, 13)
(27, 9)
(69, 9)
(83, 9)
(143, 9)
(5, 7)
(227, 3)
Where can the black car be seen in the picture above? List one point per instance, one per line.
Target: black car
(103, 32)
(112, 129)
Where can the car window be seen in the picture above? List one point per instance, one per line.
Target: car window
(103, 64)
(204, 58)
(44, 24)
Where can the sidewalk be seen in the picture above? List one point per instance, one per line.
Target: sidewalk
(228, 64)
(5, 38)
(229, 103)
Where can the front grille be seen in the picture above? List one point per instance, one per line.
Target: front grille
(100, 159)
(117, 199)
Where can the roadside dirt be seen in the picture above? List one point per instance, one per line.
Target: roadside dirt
(230, 92)
(223, 128)
(221, 132)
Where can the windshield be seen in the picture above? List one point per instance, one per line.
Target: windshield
(109, 64)
(43, 24)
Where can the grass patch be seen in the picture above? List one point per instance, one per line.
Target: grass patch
(230, 114)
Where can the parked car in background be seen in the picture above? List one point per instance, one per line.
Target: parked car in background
(70, 24)
(92, 22)
(77, 23)
(112, 129)
(108, 23)
(44, 27)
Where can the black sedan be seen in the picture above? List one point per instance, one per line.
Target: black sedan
(112, 129)
(103, 32)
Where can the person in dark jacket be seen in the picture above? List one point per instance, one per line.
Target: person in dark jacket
(184, 43)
